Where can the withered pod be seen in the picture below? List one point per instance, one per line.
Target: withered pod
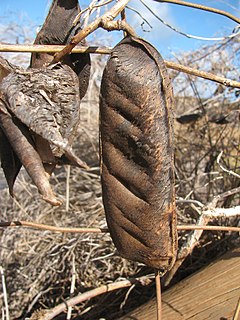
(136, 137)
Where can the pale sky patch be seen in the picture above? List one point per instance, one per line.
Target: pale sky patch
(158, 32)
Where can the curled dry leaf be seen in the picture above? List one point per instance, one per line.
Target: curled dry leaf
(137, 154)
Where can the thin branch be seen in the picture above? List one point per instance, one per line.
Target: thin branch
(51, 48)
(224, 169)
(68, 171)
(72, 288)
(214, 213)
(222, 212)
(141, 16)
(41, 226)
(198, 203)
(208, 228)
(52, 313)
(4, 288)
(203, 74)
(123, 18)
(202, 7)
(126, 297)
(158, 294)
(220, 197)
(106, 17)
(186, 34)
(90, 9)
(107, 50)
(194, 237)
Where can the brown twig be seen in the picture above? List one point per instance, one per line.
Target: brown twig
(90, 9)
(123, 18)
(51, 48)
(220, 197)
(223, 168)
(72, 288)
(209, 228)
(46, 227)
(41, 226)
(52, 313)
(158, 294)
(202, 7)
(203, 74)
(106, 17)
(194, 237)
(5, 298)
(107, 50)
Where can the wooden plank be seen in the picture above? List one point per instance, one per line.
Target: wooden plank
(211, 293)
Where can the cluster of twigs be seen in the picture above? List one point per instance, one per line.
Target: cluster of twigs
(45, 262)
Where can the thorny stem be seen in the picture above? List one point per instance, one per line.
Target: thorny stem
(202, 7)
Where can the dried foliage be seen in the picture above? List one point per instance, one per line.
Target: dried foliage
(207, 140)
(207, 123)
(39, 265)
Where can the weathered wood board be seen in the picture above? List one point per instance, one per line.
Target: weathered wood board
(210, 294)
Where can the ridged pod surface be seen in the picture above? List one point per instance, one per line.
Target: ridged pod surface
(136, 138)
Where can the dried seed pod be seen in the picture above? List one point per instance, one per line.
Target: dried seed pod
(47, 101)
(19, 150)
(58, 28)
(10, 162)
(137, 154)
(5, 68)
(38, 104)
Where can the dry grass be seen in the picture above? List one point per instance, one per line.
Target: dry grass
(38, 265)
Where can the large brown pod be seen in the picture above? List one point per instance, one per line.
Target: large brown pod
(136, 136)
